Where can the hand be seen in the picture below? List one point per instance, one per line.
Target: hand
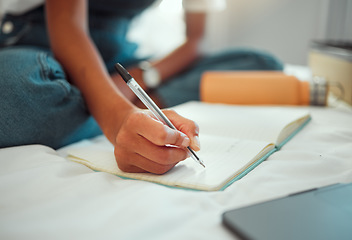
(144, 144)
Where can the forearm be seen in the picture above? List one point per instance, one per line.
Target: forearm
(183, 56)
(178, 60)
(74, 49)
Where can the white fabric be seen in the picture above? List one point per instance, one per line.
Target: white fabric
(203, 5)
(21, 6)
(18, 6)
(45, 196)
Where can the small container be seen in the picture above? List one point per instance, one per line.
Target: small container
(333, 61)
(318, 91)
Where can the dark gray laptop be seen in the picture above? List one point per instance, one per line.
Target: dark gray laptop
(324, 213)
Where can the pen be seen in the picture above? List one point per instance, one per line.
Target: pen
(149, 103)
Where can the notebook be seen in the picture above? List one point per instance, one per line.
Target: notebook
(324, 213)
(234, 140)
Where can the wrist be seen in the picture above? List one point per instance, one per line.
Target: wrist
(113, 115)
(150, 75)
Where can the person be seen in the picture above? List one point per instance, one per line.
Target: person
(58, 85)
(175, 79)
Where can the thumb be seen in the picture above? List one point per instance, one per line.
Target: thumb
(185, 126)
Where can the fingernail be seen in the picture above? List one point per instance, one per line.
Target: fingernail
(186, 141)
(196, 143)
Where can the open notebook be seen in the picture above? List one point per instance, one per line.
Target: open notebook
(234, 140)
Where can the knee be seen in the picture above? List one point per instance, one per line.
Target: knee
(35, 97)
(25, 66)
(252, 59)
(33, 75)
(267, 61)
(18, 67)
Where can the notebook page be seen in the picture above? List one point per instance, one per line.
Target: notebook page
(223, 157)
(243, 122)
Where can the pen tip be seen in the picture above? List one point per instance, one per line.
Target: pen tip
(201, 163)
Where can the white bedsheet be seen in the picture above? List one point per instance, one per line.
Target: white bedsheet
(45, 196)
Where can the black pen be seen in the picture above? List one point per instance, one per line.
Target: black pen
(149, 103)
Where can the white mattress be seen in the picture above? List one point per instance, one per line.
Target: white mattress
(45, 196)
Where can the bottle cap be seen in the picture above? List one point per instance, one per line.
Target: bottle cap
(318, 91)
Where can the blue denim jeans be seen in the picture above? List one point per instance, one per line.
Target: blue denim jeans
(185, 86)
(38, 105)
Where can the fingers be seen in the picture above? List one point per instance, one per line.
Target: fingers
(139, 163)
(157, 161)
(187, 126)
(144, 144)
(157, 132)
(161, 154)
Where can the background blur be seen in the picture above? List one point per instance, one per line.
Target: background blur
(282, 27)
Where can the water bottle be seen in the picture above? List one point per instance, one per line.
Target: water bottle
(261, 88)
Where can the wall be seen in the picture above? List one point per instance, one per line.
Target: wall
(282, 27)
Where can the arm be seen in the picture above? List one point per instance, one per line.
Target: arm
(122, 123)
(73, 48)
(177, 60)
(188, 52)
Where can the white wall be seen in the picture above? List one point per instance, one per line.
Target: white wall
(339, 20)
(282, 27)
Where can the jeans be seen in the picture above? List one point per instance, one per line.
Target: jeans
(185, 86)
(38, 105)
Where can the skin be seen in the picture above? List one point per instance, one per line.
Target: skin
(175, 62)
(141, 142)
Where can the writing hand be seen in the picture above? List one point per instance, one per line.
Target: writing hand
(144, 144)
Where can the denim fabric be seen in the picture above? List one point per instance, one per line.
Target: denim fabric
(38, 105)
(185, 86)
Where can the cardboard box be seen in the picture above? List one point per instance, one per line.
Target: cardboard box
(333, 61)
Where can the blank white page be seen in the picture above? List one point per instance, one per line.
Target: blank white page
(262, 123)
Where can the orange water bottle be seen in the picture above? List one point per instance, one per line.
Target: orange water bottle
(261, 88)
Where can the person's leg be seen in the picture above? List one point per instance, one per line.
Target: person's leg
(185, 86)
(38, 104)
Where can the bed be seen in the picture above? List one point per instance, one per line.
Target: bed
(46, 196)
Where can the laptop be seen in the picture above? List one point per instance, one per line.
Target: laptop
(323, 213)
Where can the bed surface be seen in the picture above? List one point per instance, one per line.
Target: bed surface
(46, 196)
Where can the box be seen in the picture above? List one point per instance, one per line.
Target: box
(332, 60)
